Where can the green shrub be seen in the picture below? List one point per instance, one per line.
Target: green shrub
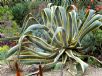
(19, 11)
(7, 22)
(5, 13)
(3, 51)
(98, 41)
(93, 42)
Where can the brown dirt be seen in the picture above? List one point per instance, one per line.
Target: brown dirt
(90, 72)
(5, 71)
(93, 72)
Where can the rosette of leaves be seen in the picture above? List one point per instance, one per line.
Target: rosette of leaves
(64, 32)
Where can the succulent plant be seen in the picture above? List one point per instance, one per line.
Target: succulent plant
(64, 31)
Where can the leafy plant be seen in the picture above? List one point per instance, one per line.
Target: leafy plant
(7, 22)
(3, 51)
(5, 13)
(60, 2)
(98, 42)
(63, 30)
(11, 3)
(19, 11)
(94, 39)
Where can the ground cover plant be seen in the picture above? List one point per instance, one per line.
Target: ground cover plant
(58, 40)
(7, 22)
(8, 27)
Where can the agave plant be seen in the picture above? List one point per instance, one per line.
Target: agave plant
(63, 32)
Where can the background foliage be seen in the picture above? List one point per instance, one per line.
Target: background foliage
(7, 22)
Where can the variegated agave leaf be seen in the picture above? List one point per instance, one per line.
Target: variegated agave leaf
(65, 31)
(29, 20)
